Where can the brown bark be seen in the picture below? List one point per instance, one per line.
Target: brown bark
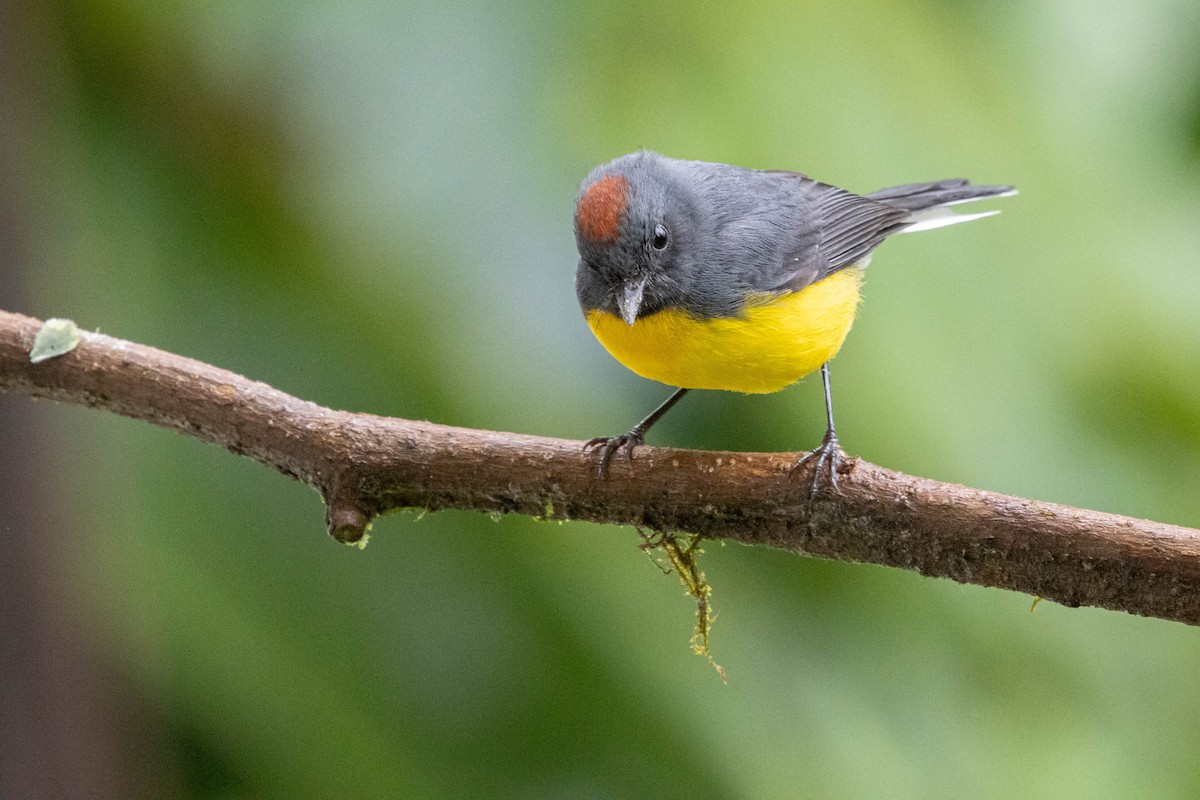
(366, 465)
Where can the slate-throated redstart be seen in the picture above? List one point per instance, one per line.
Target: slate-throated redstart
(710, 276)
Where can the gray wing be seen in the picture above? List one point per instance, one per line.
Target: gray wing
(834, 229)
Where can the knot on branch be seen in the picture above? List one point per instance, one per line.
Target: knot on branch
(346, 522)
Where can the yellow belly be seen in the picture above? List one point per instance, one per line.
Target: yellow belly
(767, 348)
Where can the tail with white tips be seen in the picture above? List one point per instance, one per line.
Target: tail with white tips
(929, 203)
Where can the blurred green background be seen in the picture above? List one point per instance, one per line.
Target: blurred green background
(369, 205)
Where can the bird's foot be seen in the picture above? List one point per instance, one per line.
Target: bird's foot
(826, 461)
(607, 447)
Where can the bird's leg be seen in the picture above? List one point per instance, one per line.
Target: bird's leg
(827, 458)
(606, 446)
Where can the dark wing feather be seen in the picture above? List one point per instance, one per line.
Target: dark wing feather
(836, 229)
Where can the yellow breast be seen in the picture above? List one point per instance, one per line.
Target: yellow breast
(767, 348)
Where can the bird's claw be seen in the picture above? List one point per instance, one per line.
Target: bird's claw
(607, 446)
(827, 460)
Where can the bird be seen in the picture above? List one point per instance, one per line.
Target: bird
(703, 275)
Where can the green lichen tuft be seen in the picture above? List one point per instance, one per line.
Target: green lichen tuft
(681, 553)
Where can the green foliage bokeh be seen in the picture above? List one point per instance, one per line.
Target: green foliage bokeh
(369, 205)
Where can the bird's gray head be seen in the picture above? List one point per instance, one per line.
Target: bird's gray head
(637, 228)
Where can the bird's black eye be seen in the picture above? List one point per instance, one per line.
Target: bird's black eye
(659, 242)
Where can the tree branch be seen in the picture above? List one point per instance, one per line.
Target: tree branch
(365, 465)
